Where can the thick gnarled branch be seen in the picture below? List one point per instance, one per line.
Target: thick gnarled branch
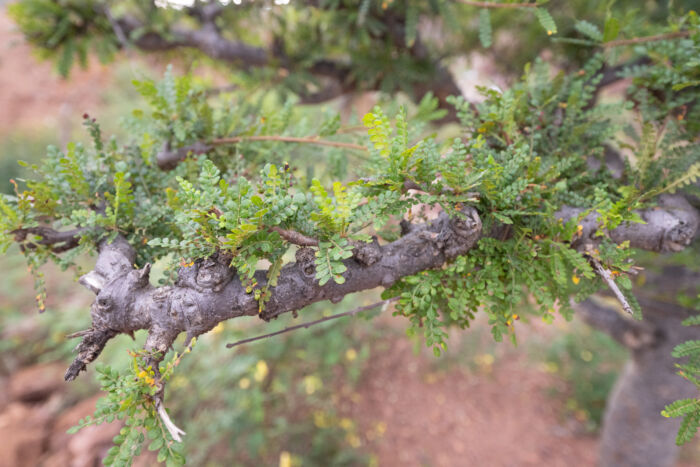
(209, 292)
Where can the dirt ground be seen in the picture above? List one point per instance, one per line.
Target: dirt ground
(411, 413)
(498, 414)
(32, 94)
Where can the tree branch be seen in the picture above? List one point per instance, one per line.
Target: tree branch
(607, 278)
(289, 139)
(46, 236)
(641, 40)
(168, 158)
(628, 332)
(295, 237)
(668, 228)
(496, 5)
(209, 41)
(209, 292)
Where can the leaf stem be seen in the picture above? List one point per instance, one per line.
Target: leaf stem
(640, 40)
(497, 5)
(288, 139)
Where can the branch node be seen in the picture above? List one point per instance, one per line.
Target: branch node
(367, 253)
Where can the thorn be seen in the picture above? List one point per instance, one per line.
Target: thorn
(145, 273)
(606, 275)
(174, 431)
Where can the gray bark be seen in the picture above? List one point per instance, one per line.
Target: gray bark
(209, 291)
(670, 227)
(634, 432)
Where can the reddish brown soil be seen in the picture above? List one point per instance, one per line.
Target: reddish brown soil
(496, 413)
(31, 92)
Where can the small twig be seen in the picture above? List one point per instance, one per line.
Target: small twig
(288, 139)
(82, 333)
(57, 241)
(497, 5)
(351, 129)
(295, 237)
(640, 40)
(118, 31)
(122, 36)
(312, 323)
(220, 90)
(607, 277)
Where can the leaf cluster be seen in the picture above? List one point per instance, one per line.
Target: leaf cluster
(131, 397)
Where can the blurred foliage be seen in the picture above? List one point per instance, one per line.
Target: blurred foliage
(383, 40)
(688, 409)
(588, 362)
(20, 146)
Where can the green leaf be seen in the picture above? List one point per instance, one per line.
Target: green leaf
(485, 28)
(692, 321)
(681, 407)
(65, 59)
(611, 29)
(589, 29)
(687, 348)
(686, 84)
(546, 21)
(689, 427)
(156, 444)
(239, 235)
